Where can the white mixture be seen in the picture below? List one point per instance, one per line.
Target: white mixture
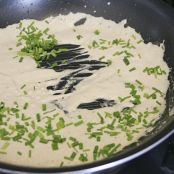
(22, 82)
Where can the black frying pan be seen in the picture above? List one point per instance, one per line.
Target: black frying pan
(152, 18)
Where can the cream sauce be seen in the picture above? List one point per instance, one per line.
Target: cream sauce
(108, 82)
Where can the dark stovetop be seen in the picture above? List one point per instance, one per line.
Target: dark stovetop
(170, 2)
(160, 160)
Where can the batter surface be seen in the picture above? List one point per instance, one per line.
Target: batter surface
(43, 125)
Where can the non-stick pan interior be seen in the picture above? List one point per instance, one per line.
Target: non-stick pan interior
(153, 19)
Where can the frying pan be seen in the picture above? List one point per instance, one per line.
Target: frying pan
(152, 18)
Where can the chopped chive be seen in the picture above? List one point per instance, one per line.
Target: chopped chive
(109, 62)
(112, 133)
(79, 37)
(86, 150)
(38, 117)
(43, 141)
(78, 123)
(23, 86)
(25, 106)
(25, 92)
(96, 32)
(132, 69)
(19, 153)
(72, 157)
(24, 118)
(53, 53)
(102, 57)
(56, 114)
(15, 103)
(68, 124)
(118, 71)
(69, 145)
(129, 136)
(46, 22)
(156, 71)
(33, 124)
(79, 117)
(139, 56)
(158, 91)
(138, 82)
(115, 149)
(47, 112)
(29, 153)
(60, 124)
(5, 146)
(122, 99)
(126, 61)
(95, 152)
(158, 103)
(44, 107)
(101, 118)
(3, 153)
(61, 164)
(38, 49)
(95, 44)
(139, 41)
(21, 59)
(133, 36)
(46, 31)
(83, 158)
(117, 53)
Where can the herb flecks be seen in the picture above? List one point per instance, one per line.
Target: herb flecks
(96, 32)
(79, 37)
(104, 44)
(134, 96)
(155, 71)
(35, 43)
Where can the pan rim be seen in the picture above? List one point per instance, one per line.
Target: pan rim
(112, 161)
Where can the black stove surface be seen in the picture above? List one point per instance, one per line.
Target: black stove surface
(159, 160)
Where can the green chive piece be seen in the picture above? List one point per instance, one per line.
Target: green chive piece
(5, 146)
(3, 153)
(109, 62)
(19, 153)
(44, 107)
(25, 106)
(72, 157)
(79, 37)
(83, 158)
(101, 58)
(25, 93)
(21, 59)
(60, 124)
(23, 86)
(158, 103)
(132, 69)
(38, 117)
(95, 152)
(126, 61)
(61, 164)
(29, 153)
(78, 123)
(96, 32)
